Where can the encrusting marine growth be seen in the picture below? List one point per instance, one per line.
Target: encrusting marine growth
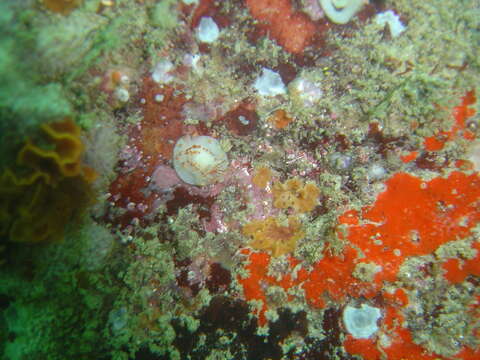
(273, 180)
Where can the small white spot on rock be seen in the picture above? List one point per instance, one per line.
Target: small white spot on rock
(392, 20)
(361, 322)
(269, 83)
(161, 72)
(122, 94)
(243, 120)
(208, 30)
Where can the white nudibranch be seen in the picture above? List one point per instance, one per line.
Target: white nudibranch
(199, 160)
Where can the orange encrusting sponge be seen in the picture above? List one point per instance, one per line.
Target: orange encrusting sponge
(414, 217)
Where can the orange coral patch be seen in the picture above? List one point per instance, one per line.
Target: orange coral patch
(460, 113)
(399, 297)
(252, 285)
(255, 284)
(463, 112)
(403, 347)
(349, 217)
(469, 354)
(436, 142)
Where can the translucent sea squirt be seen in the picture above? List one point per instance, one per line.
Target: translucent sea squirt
(361, 322)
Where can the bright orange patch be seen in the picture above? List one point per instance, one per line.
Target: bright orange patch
(332, 277)
(280, 119)
(456, 270)
(413, 218)
(461, 113)
(409, 157)
(290, 29)
(363, 347)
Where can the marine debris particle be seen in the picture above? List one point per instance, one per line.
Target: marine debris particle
(341, 11)
(207, 30)
(269, 83)
(393, 22)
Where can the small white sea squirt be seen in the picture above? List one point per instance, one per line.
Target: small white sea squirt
(199, 160)
(341, 11)
(361, 322)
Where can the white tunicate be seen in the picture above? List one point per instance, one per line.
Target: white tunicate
(306, 91)
(159, 97)
(243, 120)
(392, 20)
(361, 322)
(191, 60)
(208, 30)
(160, 73)
(124, 79)
(122, 94)
(376, 171)
(199, 160)
(341, 11)
(269, 83)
